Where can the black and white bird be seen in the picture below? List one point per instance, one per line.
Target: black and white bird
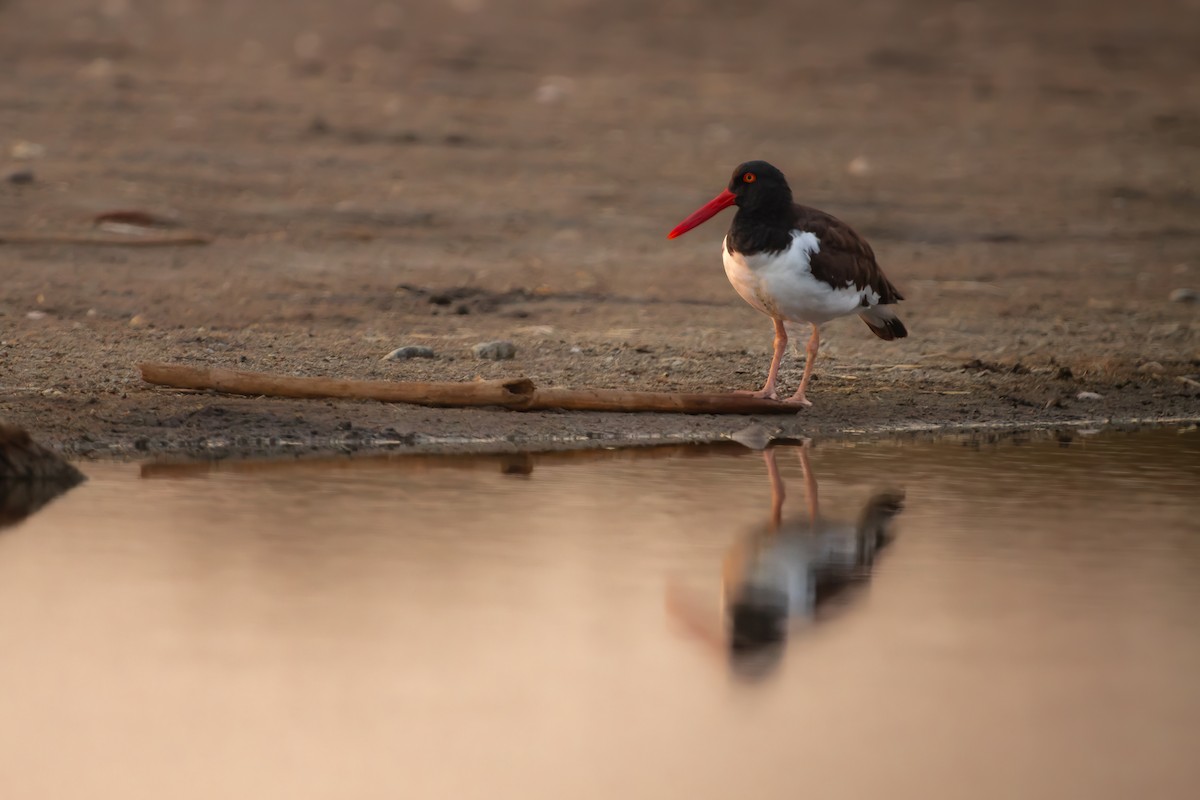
(797, 265)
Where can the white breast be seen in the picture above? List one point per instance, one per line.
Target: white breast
(782, 285)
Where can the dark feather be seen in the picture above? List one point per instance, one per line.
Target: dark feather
(888, 329)
(844, 258)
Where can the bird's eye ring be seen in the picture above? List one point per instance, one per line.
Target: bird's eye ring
(749, 177)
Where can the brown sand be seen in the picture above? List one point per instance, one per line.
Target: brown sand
(376, 175)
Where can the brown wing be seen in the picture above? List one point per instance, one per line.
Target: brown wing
(845, 256)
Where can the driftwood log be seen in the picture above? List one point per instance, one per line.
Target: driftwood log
(516, 393)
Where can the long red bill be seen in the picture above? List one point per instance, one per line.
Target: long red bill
(709, 210)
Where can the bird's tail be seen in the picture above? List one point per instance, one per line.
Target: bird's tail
(883, 322)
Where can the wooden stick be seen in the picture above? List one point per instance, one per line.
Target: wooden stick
(515, 393)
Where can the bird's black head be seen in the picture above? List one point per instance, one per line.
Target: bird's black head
(759, 184)
(756, 188)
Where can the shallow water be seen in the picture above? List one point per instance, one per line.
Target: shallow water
(551, 626)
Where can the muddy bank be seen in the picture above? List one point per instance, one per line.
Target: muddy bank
(1027, 179)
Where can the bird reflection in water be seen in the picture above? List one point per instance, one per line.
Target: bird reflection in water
(790, 572)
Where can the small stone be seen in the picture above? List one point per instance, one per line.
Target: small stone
(495, 351)
(1150, 367)
(1185, 296)
(27, 151)
(858, 166)
(409, 351)
(554, 89)
(36, 315)
(138, 321)
(20, 177)
(97, 70)
(1088, 396)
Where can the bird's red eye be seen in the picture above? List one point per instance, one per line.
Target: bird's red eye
(749, 177)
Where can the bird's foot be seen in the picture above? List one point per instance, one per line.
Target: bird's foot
(798, 399)
(761, 394)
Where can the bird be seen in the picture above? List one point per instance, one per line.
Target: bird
(797, 265)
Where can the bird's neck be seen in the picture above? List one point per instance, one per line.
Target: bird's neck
(762, 229)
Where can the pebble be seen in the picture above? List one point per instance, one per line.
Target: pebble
(97, 70)
(36, 315)
(858, 166)
(501, 350)
(409, 351)
(20, 177)
(27, 151)
(138, 321)
(1185, 296)
(1088, 396)
(554, 89)
(1150, 367)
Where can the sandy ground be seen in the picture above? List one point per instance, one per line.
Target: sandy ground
(379, 174)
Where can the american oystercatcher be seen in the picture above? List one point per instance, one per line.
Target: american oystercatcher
(797, 265)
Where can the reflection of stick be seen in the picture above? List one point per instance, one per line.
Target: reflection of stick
(407, 462)
(515, 393)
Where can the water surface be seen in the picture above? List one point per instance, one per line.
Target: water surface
(551, 626)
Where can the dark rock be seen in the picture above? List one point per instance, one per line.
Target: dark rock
(30, 475)
(495, 351)
(21, 458)
(20, 177)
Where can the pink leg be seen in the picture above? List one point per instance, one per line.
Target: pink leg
(768, 389)
(814, 343)
(810, 484)
(778, 493)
